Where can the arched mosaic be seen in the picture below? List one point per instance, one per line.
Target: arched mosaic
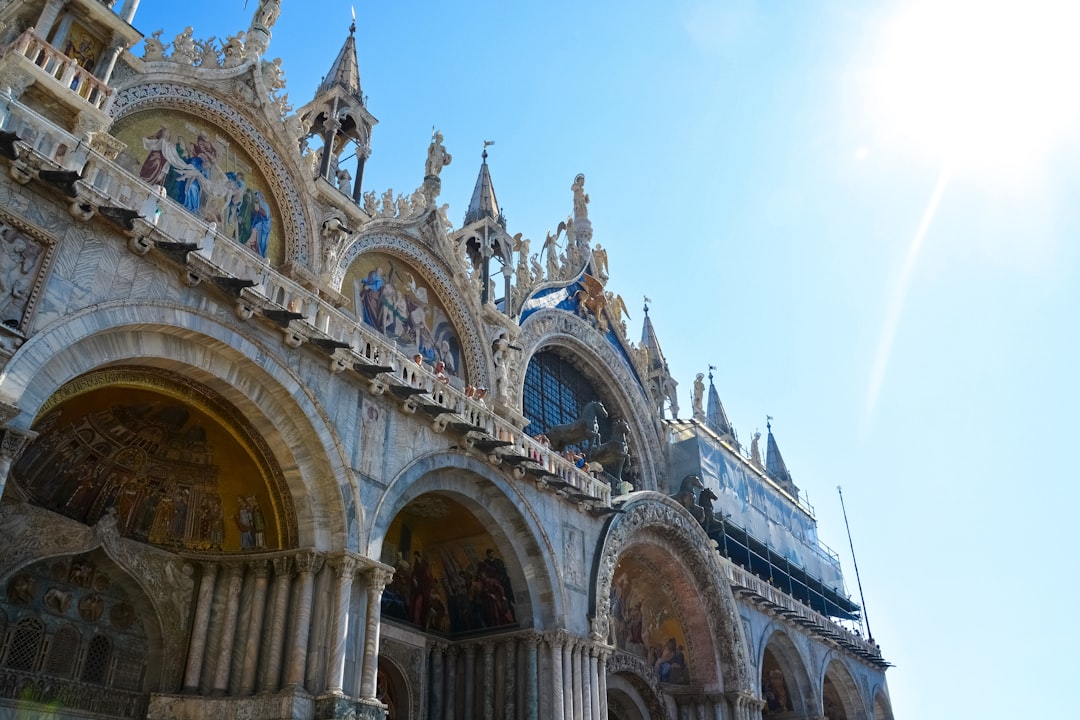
(142, 111)
(175, 466)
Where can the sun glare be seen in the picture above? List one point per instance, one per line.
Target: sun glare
(983, 83)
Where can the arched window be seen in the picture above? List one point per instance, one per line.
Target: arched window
(22, 652)
(96, 668)
(62, 652)
(554, 393)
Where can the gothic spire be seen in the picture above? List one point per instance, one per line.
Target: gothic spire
(483, 203)
(345, 72)
(650, 343)
(715, 417)
(774, 462)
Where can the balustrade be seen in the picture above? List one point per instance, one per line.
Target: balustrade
(62, 68)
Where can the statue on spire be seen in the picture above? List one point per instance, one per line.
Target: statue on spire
(581, 198)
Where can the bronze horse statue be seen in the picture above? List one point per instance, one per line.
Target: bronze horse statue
(615, 452)
(584, 428)
(687, 496)
(705, 500)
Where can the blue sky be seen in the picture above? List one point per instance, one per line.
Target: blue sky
(761, 171)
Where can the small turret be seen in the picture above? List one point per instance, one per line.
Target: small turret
(485, 236)
(338, 116)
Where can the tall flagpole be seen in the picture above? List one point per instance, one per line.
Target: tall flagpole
(865, 615)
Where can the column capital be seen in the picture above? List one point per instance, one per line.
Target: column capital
(282, 565)
(377, 578)
(15, 441)
(309, 561)
(261, 568)
(343, 565)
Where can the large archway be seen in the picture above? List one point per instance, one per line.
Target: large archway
(663, 602)
(840, 697)
(785, 682)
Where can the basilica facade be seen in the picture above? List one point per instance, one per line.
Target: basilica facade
(275, 445)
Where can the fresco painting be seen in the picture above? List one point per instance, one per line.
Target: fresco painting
(644, 622)
(168, 473)
(448, 576)
(391, 297)
(207, 172)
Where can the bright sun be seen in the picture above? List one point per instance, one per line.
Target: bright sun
(983, 83)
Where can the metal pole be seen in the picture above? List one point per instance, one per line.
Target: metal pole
(866, 619)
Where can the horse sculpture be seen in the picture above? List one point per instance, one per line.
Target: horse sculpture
(687, 496)
(615, 452)
(705, 501)
(584, 428)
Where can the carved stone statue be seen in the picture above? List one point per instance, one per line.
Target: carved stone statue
(273, 75)
(153, 48)
(581, 199)
(437, 157)
(699, 395)
(233, 49)
(184, 47)
(755, 450)
(344, 181)
(208, 53)
(371, 203)
(267, 14)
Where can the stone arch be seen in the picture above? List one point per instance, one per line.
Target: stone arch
(282, 409)
(608, 370)
(882, 706)
(78, 599)
(776, 641)
(461, 313)
(840, 697)
(508, 516)
(658, 524)
(393, 689)
(283, 183)
(629, 697)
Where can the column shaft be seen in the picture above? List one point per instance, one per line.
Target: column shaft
(489, 681)
(376, 581)
(271, 677)
(235, 582)
(557, 677)
(344, 569)
(261, 569)
(532, 698)
(308, 564)
(197, 648)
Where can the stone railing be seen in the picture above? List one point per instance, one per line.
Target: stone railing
(800, 613)
(17, 688)
(163, 218)
(62, 68)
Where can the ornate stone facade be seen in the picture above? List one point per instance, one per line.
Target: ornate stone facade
(235, 485)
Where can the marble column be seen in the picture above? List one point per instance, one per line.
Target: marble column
(344, 569)
(601, 676)
(197, 647)
(532, 695)
(450, 694)
(112, 53)
(271, 674)
(307, 565)
(579, 690)
(594, 684)
(261, 570)
(435, 703)
(48, 16)
(234, 583)
(558, 707)
(488, 707)
(376, 581)
(568, 676)
(470, 680)
(508, 666)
